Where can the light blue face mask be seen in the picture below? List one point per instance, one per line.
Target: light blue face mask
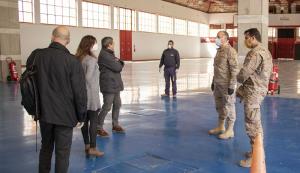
(218, 42)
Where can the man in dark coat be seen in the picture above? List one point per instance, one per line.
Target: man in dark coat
(171, 60)
(63, 99)
(110, 85)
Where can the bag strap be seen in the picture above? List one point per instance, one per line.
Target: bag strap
(36, 51)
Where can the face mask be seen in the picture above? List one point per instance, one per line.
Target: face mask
(94, 48)
(170, 46)
(218, 42)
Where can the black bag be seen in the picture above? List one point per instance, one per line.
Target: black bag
(29, 91)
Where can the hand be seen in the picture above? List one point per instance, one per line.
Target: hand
(176, 71)
(159, 69)
(79, 125)
(230, 91)
(212, 87)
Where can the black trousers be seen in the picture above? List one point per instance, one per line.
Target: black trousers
(59, 137)
(170, 74)
(89, 129)
(110, 100)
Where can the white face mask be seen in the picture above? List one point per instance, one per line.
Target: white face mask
(218, 42)
(94, 48)
(169, 46)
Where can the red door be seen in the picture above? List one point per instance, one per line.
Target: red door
(285, 48)
(126, 45)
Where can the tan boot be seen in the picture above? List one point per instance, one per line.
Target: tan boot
(229, 133)
(246, 163)
(95, 152)
(218, 130)
(86, 148)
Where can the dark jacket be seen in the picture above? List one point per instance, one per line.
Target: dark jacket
(110, 72)
(61, 85)
(170, 58)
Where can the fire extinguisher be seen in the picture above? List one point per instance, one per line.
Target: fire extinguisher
(12, 70)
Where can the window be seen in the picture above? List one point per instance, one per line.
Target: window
(124, 19)
(147, 22)
(25, 11)
(180, 27)
(116, 18)
(193, 29)
(60, 12)
(232, 32)
(165, 25)
(95, 15)
(214, 32)
(271, 32)
(204, 30)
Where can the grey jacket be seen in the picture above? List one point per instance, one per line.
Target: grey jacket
(92, 73)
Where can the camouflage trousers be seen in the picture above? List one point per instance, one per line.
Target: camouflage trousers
(252, 102)
(252, 122)
(225, 104)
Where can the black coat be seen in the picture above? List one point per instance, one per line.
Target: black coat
(170, 58)
(61, 85)
(110, 72)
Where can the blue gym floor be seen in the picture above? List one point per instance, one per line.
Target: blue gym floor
(163, 136)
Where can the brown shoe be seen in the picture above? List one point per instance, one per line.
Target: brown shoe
(102, 133)
(86, 149)
(95, 152)
(165, 95)
(118, 129)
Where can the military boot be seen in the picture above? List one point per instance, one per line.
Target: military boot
(246, 163)
(229, 133)
(218, 130)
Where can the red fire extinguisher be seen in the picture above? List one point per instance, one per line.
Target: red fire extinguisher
(274, 81)
(12, 70)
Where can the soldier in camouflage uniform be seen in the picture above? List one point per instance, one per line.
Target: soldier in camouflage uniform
(254, 77)
(223, 86)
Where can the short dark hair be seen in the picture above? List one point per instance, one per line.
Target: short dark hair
(253, 32)
(106, 41)
(171, 41)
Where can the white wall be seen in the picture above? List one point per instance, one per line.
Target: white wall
(148, 45)
(38, 36)
(284, 19)
(221, 18)
(208, 50)
(274, 19)
(151, 45)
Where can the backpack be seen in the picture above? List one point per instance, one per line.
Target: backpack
(29, 90)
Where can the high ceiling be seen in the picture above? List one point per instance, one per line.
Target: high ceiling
(209, 6)
(220, 6)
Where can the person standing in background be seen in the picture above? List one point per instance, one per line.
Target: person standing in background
(171, 60)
